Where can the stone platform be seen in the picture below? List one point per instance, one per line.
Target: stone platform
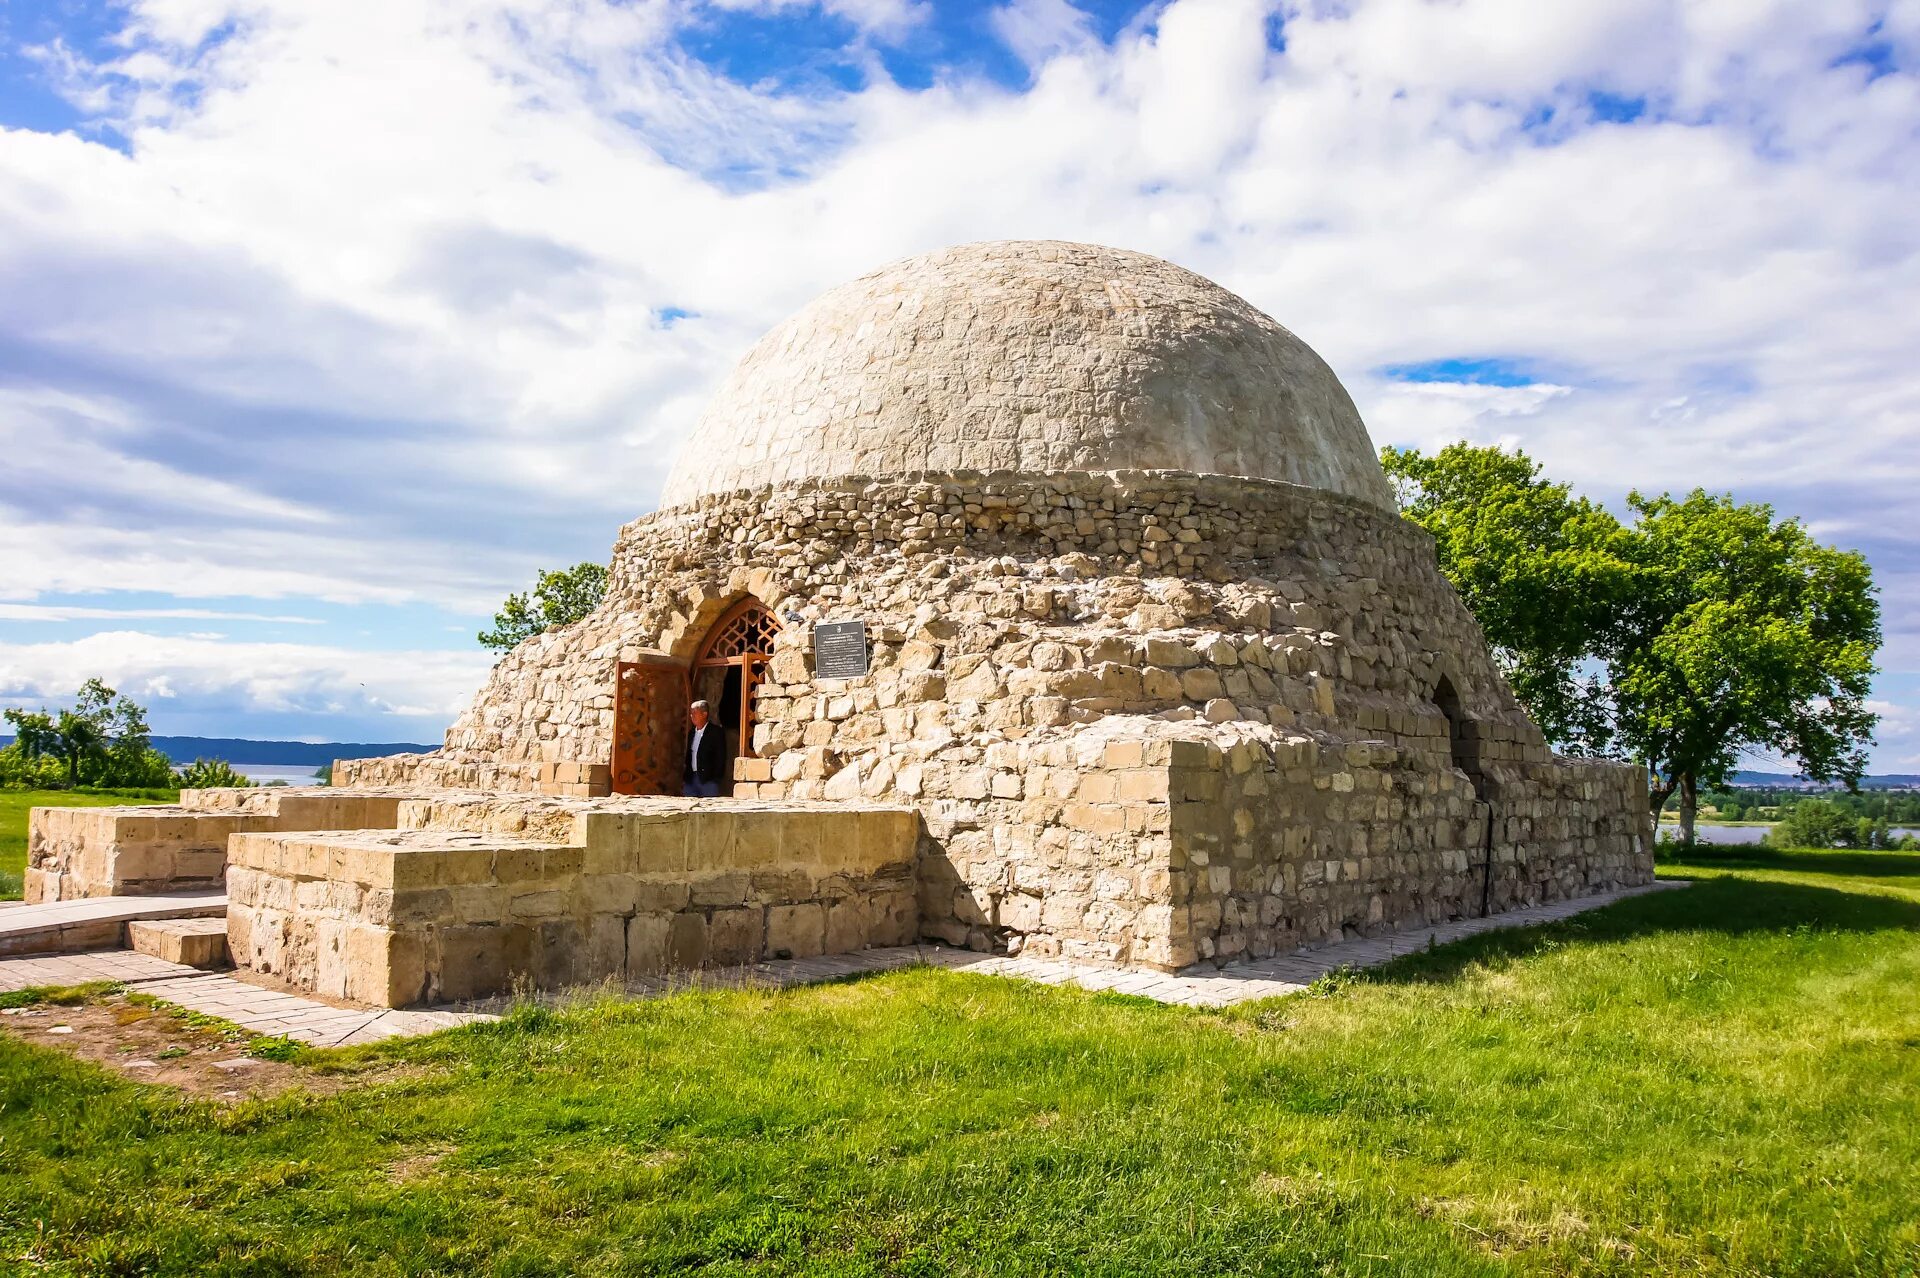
(481, 893)
(94, 923)
(156, 848)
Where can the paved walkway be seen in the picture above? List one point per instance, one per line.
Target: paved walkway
(1200, 986)
(274, 1012)
(94, 921)
(252, 1007)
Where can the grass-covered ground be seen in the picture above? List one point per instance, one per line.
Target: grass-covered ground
(13, 824)
(1721, 1080)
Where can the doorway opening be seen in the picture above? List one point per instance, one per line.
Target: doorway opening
(651, 697)
(1463, 747)
(730, 664)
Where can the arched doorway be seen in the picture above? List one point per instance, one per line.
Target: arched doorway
(729, 664)
(651, 698)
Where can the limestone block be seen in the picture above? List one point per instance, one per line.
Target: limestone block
(649, 950)
(200, 943)
(1169, 653)
(736, 936)
(796, 931)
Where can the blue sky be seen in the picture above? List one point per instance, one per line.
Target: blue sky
(328, 324)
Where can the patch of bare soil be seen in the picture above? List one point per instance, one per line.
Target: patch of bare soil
(153, 1045)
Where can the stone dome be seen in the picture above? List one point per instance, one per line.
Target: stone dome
(1035, 356)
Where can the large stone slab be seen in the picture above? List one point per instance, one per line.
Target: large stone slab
(194, 942)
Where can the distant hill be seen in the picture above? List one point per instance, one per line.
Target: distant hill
(1786, 781)
(291, 754)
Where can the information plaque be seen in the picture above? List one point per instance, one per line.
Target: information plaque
(839, 649)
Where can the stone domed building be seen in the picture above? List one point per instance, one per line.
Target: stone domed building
(1150, 653)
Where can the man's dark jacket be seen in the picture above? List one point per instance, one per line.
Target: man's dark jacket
(713, 754)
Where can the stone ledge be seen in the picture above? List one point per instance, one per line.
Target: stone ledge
(395, 918)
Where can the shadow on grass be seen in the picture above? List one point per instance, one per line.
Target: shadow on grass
(1729, 906)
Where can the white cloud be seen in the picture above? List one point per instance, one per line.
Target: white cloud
(888, 19)
(374, 307)
(1898, 735)
(1037, 30)
(248, 681)
(67, 612)
(1431, 415)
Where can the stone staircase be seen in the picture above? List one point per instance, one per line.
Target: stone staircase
(99, 922)
(199, 942)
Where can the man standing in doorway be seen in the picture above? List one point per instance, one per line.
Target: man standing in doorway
(704, 762)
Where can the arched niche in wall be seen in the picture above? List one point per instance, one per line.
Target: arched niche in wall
(1463, 739)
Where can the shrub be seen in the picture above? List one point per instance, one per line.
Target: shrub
(211, 774)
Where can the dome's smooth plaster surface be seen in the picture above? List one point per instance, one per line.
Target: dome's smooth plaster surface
(1035, 356)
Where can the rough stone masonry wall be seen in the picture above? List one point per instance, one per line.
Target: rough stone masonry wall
(476, 894)
(1276, 846)
(1021, 625)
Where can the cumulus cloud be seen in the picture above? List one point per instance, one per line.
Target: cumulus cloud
(402, 303)
(194, 683)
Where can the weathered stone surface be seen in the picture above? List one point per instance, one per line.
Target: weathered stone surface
(1034, 356)
(198, 943)
(449, 909)
(140, 850)
(1148, 715)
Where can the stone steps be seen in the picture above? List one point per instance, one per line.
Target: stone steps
(194, 942)
(96, 922)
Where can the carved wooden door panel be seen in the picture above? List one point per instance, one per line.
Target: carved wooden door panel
(649, 727)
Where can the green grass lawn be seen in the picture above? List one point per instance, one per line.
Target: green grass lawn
(1724, 1080)
(13, 826)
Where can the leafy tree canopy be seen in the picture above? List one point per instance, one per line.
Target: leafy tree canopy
(103, 740)
(1543, 572)
(1744, 633)
(558, 599)
(1822, 823)
(1702, 630)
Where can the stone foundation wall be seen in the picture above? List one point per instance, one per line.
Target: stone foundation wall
(454, 908)
(135, 851)
(1020, 627)
(1281, 846)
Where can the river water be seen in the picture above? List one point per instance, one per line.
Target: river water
(1735, 835)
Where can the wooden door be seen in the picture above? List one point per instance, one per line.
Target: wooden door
(649, 727)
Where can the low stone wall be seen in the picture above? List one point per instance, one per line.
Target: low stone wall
(1280, 845)
(481, 893)
(137, 851)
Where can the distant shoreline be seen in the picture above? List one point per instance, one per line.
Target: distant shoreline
(273, 754)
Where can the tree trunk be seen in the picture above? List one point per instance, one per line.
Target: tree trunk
(1689, 804)
(1657, 797)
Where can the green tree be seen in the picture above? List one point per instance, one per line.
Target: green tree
(32, 760)
(1742, 634)
(102, 740)
(1820, 823)
(211, 774)
(1703, 630)
(558, 599)
(1543, 571)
